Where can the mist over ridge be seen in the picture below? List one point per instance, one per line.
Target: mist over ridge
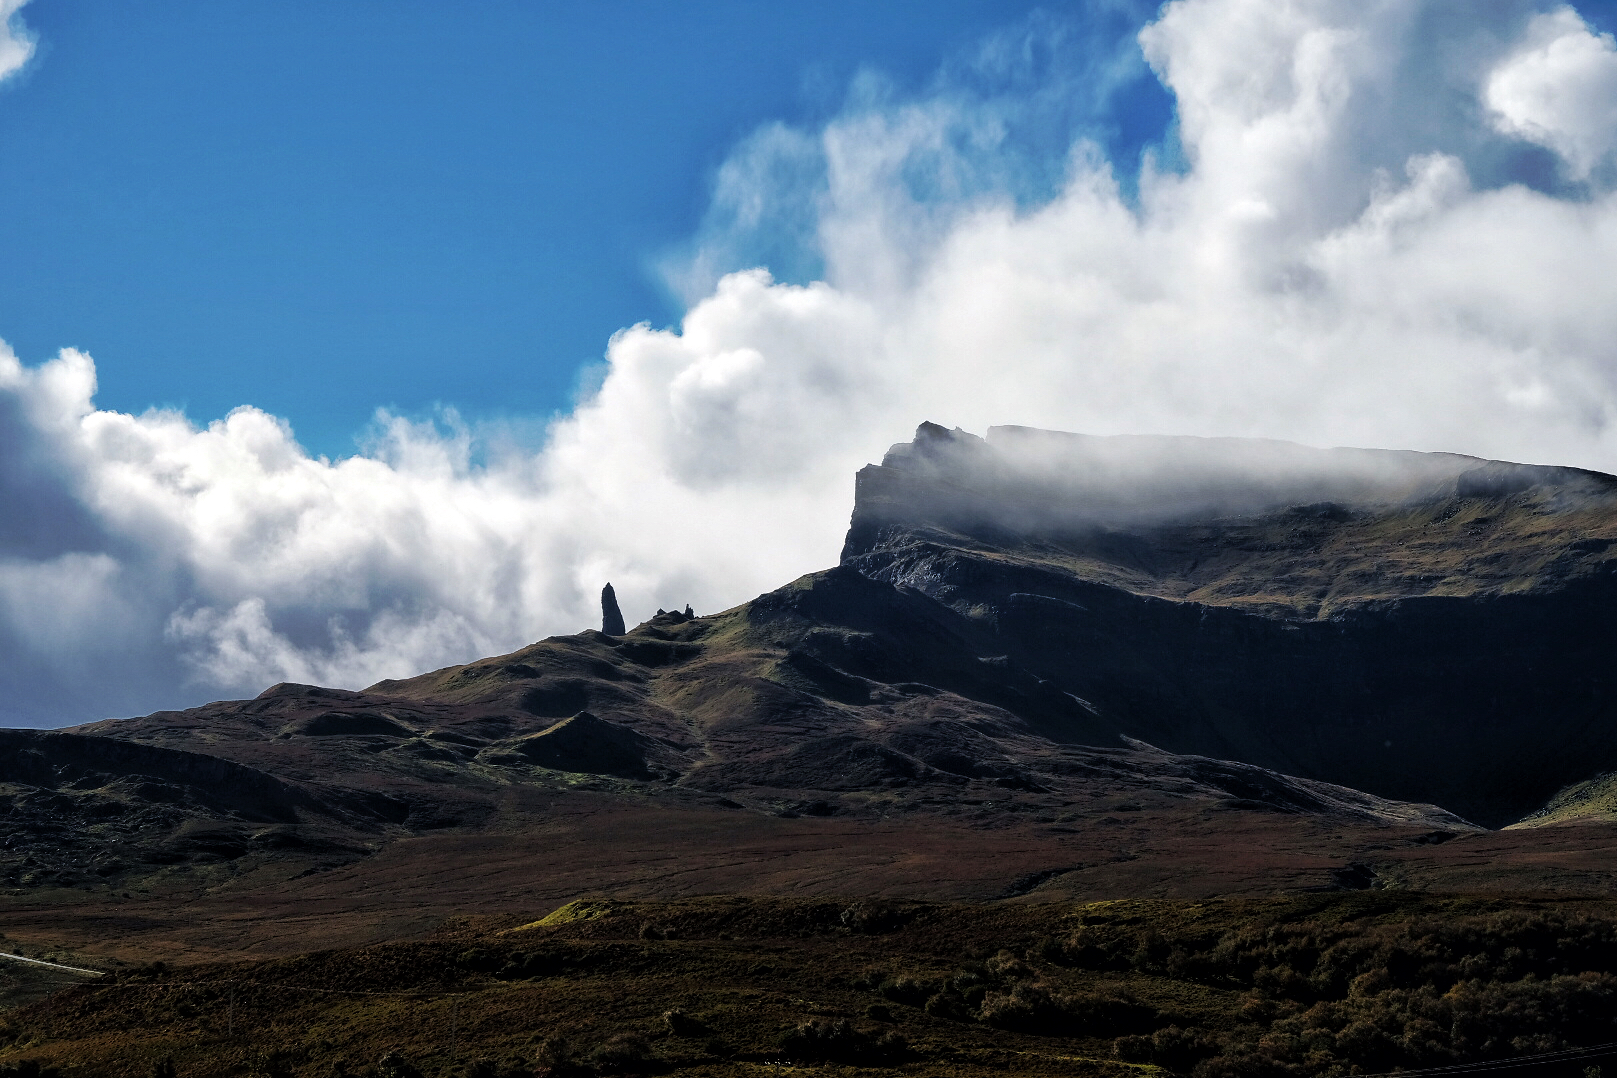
(1351, 255)
(1022, 478)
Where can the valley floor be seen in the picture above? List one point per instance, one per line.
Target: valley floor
(283, 968)
(1020, 848)
(1318, 984)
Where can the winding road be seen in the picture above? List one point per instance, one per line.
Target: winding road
(52, 965)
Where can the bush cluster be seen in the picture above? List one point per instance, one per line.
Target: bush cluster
(1325, 997)
(1006, 993)
(623, 1053)
(28, 1068)
(874, 916)
(1318, 996)
(840, 1041)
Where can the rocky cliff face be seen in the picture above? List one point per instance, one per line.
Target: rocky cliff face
(1426, 627)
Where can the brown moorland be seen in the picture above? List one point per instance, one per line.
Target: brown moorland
(1321, 984)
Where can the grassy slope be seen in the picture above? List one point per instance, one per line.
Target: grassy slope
(1299, 563)
(1290, 985)
(1592, 799)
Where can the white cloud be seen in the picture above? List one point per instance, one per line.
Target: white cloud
(16, 43)
(1343, 260)
(1560, 90)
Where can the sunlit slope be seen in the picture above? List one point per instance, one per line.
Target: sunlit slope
(1594, 799)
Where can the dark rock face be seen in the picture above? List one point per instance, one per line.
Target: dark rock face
(1424, 627)
(611, 616)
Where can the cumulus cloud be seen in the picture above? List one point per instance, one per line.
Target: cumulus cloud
(1560, 90)
(16, 43)
(1382, 224)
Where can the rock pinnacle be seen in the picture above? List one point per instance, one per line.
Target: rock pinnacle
(611, 616)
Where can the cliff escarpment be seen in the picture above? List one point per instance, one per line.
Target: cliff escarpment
(1426, 627)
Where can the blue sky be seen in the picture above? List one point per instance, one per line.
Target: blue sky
(320, 208)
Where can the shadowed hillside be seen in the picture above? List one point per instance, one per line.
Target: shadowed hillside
(1422, 626)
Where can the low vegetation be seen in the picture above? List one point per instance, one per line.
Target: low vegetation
(1329, 984)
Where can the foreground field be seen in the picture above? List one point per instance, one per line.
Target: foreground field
(1317, 985)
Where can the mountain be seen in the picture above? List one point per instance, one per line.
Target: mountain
(1048, 666)
(1427, 627)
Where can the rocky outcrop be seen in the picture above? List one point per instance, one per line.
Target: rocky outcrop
(611, 616)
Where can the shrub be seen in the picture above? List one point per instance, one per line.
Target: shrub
(1089, 947)
(1026, 1008)
(951, 1006)
(530, 964)
(1172, 1047)
(1031, 1007)
(1007, 967)
(868, 981)
(555, 1058)
(269, 1064)
(873, 916)
(28, 1068)
(478, 960)
(903, 989)
(840, 1041)
(680, 1024)
(891, 1047)
(394, 1065)
(626, 1051)
(486, 1067)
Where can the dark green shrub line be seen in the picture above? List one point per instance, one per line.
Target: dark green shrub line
(1325, 996)
(1288, 987)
